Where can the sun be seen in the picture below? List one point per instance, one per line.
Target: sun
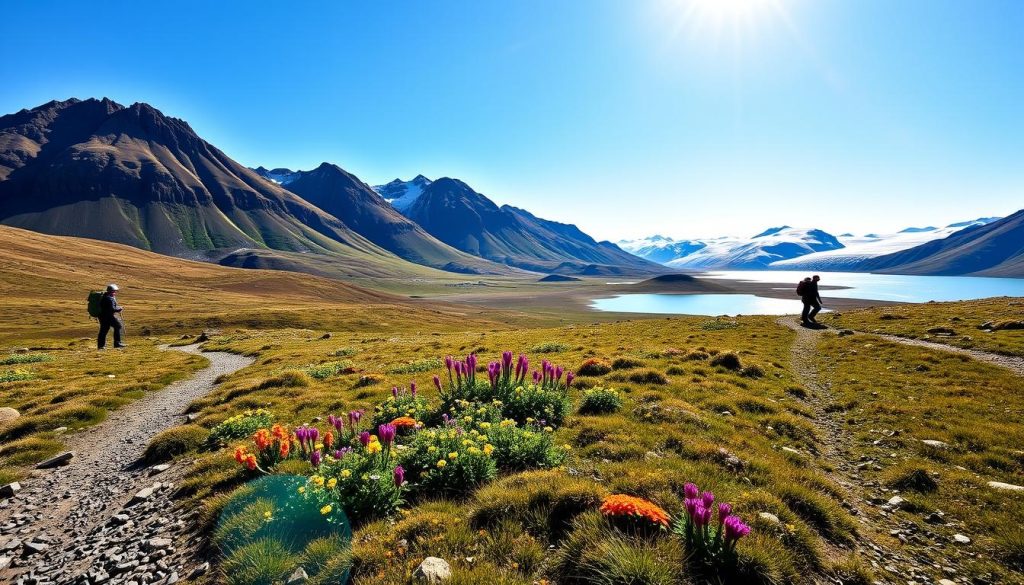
(726, 16)
(730, 9)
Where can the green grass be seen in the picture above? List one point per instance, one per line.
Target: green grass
(25, 358)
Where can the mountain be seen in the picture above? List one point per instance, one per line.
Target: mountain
(402, 194)
(757, 252)
(132, 175)
(454, 213)
(344, 196)
(990, 249)
(856, 249)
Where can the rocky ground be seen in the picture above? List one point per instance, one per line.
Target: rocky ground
(102, 517)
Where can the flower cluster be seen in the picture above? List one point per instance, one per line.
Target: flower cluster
(402, 403)
(240, 426)
(272, 447)
(600, 401)
(630, 508)
(703, 537)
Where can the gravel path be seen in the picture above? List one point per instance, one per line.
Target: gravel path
(1015, 364)
(104, 517)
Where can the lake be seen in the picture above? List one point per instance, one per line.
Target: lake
(881, 287)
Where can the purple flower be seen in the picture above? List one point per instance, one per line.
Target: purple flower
(569, 377)
(386, 434)
(315, 458)
(448, 361)
(364, 438)
(336, 422)
(353, 418)
(558, 373)
(300, 435)
(724, 510)
(690, 490)
(399, 475)
(691, 505)
(394, 391)
(707, 498)
(412, 388)
(735, 529)
(536, 377)
(471, 362)
(437, 383)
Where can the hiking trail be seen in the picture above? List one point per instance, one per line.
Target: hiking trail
(104, 517)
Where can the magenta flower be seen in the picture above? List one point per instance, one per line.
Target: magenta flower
(394, 391)
(690, 490)
(735, 529)
(399, 475)
(724, 510)
(536, 377)
(412, 389)
(364, 438)
(448, 361)
(569, 377)
(314, 458)
(437, 382)
(386, 434)
(353, 418)
(707, 498)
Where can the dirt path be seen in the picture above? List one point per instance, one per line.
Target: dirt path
(1014, 364)
(104, 517)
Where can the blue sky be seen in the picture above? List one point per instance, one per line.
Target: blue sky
(627, 117)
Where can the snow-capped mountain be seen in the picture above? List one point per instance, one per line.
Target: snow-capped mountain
(858, 249)
(279, 176)
(402, 194)
(787, 248)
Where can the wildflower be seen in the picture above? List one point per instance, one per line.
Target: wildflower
(488, 449)
(326, 510)
(569, 377)
(399, 475)
(707, 498)
(441, 463)
(386, 433)
(314, 458)
(240, 454)
(364, 438)
(412, 389)
(485, 425)
(284, 449)
(267, 514)
(394, 391)
(345, 473)
(467, 418)
(302, 489)
(328, 439)
(404, 422)
(628, 506)
(453, 455)
(432, 449)
(567, 447)
(250, 462)
(318, 480)
(690, 490)
(437, 382)
(332, 482)
(373, 448)
(735, 529)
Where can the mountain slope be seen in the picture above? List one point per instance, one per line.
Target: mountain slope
(758, 252)
(859, 249)
(402, 194)
(344, 196)
(132, 175)
(459, 216)
(994, 249)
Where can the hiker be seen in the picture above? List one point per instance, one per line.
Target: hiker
(110, 318)
(808, 291)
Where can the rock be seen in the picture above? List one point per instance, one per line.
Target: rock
(934, 518)
(10, 489)
(159, 468)
(960, 538)
(946, 582)
(158, 543)
(60, 430)
(141, 496)
(768, 516)
(998, 485)
(21, 350)
(895, 501)
(325, 336)
(299, 576)
(4, 562)
(934, 443)
(32, 547)
(56, 461)
(7, 413)
(199, 571)
(191, 417)
(845, 332)
(203, 337)
(433, 570)
(941, 331)
(791, 450)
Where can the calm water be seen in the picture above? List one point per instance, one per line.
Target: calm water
(882, 287)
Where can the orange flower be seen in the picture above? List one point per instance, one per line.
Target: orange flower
(623, 505)
(240, 454)
(328, 439)
(250, 462)
(262, 439)
(279, 432)
(285, 447)
(404, 422)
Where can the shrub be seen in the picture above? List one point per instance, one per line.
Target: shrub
(546, 502)
(175, 441)
(823, 514)
(425, 365)
(536, 403)
(719, 325)
(911, 477)
(594, 367)
(16, 376)
(365, 483)
(1009, 540)
(25, 358)
(345, 352)
(287, 379)
(402, 403)
(600, 401)
(752, 371)
(727, 360)
(617, 561)
(241, 426)
(519, 448)
(626, 363)
(263, 561)
(369, 380)
(697, 356)
(709, 543)
(447, 462)
(648, 376)
(550, 347)
(328, 370)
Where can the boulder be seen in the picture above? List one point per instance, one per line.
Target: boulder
(998, 485)
(433, 570)
(934, 443)
(7, 413)
(961, 539)
(298, 576)
(769, 517)
(56, 460)
(10, 489)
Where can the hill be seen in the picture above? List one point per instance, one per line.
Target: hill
(993, 249)
(134, 176)
(461, 217)
(344, 196)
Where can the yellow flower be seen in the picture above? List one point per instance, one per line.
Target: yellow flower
(302, 490)
(453, 455)
(266, 515)
(332, 482)
(549, 430)
(567, 447)
(345, 473)
(529, 419)
(485, 425)
(467, 418)
(473, 450)
(508, 423)
(442, 463)
(326, 510)
(488, 449)
(373, 447)
(432, 449)
(318, 480)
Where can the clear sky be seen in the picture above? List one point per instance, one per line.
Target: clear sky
(628, 117)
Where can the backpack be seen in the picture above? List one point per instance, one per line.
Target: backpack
(95, 304)
(800, 287)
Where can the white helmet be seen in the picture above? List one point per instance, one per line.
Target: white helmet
(112, 287)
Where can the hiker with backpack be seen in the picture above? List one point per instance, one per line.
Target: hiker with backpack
(104, 307)
(808, 291)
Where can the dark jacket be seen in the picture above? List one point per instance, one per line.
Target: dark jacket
(108, 307)
(810, 293)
